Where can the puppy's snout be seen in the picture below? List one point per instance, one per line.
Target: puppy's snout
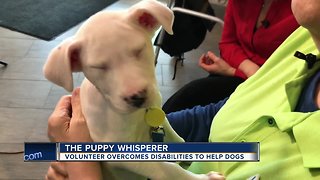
(137, 99)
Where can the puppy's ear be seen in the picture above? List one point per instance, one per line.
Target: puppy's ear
(151, 14)
(62, 61)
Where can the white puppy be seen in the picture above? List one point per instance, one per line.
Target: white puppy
(115, 53)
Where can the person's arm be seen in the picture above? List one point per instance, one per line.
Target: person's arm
(193, 125)
(67, 124)
(230, 48)
(248, 67)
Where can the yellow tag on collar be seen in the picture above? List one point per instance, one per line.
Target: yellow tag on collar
(154, 116)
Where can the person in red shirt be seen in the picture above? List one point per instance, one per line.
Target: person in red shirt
(253, 29)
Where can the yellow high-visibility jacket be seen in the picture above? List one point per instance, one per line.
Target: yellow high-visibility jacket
(261, 110)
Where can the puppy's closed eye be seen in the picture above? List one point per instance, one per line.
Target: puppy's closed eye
(103, 67)
(137, 52)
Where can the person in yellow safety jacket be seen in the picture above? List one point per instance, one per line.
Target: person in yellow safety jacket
(264, 109)
(278, 107)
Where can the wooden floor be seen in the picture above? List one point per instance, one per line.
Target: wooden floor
(27, 98)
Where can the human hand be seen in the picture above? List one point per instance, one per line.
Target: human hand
(67, 123)
(74, 170)
(215, 176)
(215, 65)
(57, 171)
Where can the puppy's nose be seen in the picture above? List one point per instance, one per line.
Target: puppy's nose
(137, 99)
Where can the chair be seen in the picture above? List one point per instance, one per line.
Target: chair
(219, 2)
(159, 40)
(3, 63)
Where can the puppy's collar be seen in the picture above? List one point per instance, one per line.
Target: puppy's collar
(155, 117)
(157, 134)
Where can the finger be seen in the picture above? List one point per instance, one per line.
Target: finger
(60, 168)
(213, 57)
(78, 122)
(215, 176)
(205, 67)
(53, 175)
(211, 54)
(64, 105)
(204, 60)
(76, 105)
(59, 120)
(201, 59)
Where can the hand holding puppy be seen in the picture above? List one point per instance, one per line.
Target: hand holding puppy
(67, 124)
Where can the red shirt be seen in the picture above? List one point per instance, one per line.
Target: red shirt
(241, 40)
